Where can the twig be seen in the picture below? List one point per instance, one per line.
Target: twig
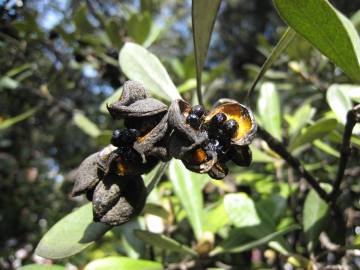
(353, 116)
(278, 147)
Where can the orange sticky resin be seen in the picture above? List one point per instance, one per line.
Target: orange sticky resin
(199, 155)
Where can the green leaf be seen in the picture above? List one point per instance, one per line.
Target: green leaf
(139, 26)
(327, 29)
(163, 242)
(7, 82)
(42, 267)
(253, 244)
(269, 109)
(86, 125)
(283, 43)
(301, 117)
(112, 31)
(318, 130)
(156, 209)
(315, 213)
(203, 19)
(71, 234)
(326, 148)
(14, 120)
(188, 187)
(140, 65)
(81, 21)
(355, 19)
(339, 102)
(111, 99)
(122, 263)
(260, 156)
(215, 217)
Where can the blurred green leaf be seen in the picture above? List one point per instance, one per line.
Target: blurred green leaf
(269, 109)
(326, 148)
(119, 263)
(163, 242)
(81, 21)
(71, 234)
(339, 102)
(139, 26)
(42, 267)
(86, 125)
(7, 82)
(301, 117)
(156, 209)
(315, 213)
(260, 156)
(203, 19)
(215, 217)
(111, 99)
(318, 21)
(253, 244)
(112, 31)
(188, 187)
(14, 120)
(318, 130)
(188, 85)
(140, 65)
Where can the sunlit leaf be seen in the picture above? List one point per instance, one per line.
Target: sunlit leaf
(188, 187)
(86, 125)
(163, 242)
(139, 26)
(120, 263)
(269, 109)
(318, 130)
(140, 65)
(315, 213)
(253, 244)
(301, 117)
(339, 102)
(203, 19)
(16, 119)
(72, 234)
(327, 29)
(215, 217)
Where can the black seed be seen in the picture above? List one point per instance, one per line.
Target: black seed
(125, 137)
(218, 119)
(198, 110)
(193, 120)
(230, 127)
(115, 139)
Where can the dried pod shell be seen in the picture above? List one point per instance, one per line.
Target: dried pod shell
(106, 194)
(200, 161)
(241, 114)
(218, 171)
(131, 202)
(140, 108)
(146, 145)
(87, 175)
(178, 112)
(241, 155)
(132, 91)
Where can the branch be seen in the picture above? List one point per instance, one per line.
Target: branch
(353, 116)
(278, 147)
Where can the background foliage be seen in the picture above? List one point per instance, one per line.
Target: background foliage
(58, 66)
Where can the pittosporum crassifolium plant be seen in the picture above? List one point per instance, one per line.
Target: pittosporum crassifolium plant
(203, 140)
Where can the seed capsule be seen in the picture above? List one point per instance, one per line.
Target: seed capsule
(230, 128)
(193, 120)
(218, 119)
(198, 110)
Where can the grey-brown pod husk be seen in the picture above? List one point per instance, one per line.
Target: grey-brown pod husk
(241, 114)
(140, 108)
(178, 111)
(200, 161)
(132, 91)
(87, 175)
(147, 145)
(131, 202)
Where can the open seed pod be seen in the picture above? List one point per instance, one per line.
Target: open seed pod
(178, 112)
(241, 114)
(241, 155)
(153, 142)
(87, 175)
(199, 160)
(117, 199)
(135, 102)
